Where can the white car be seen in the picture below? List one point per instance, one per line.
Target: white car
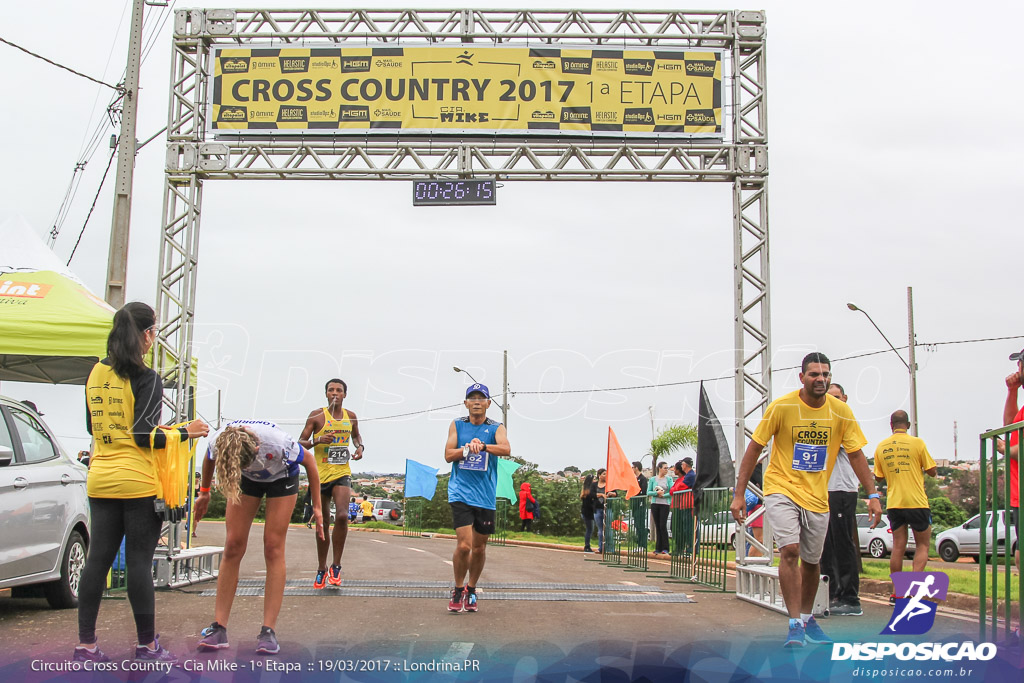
(44, 510)
(966, 538)
(712, 531)
(877, 542)
(388, 511)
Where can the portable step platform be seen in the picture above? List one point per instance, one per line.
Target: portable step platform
(760, 585)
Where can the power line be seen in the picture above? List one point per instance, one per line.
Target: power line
(110, 161)
(59, 66)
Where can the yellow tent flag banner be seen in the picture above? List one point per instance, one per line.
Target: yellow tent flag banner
(173, 471)
(468, 89)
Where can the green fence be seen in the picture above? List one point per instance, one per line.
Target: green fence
(413, 517)
(636, 535)
(700, 536)
(998, 530)
(615, 515)
(500, 535)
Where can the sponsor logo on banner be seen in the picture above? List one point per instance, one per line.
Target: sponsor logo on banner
(234, 65)
(388, 63)
(287, 113)
(294, 65)
(700, 68)
(323, 63)
(350, 65)
(26, 290)
(701, 117)
(576, 65)
(606, 116)
(606, 65)
(638, 115)
(354, 114)
(670, 66)
(913, 615)
(544, 64)
(575, 114)
(639, 67)
(543, 115)
(229, 114)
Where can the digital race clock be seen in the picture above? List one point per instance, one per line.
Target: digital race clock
(453, 193)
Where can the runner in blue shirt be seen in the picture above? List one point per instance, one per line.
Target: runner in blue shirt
(474, 443)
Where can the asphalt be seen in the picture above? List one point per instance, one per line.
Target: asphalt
(323, 625)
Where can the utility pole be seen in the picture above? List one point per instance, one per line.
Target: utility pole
(913, 361)
(956, 456)
(117, 259)
(504, 393)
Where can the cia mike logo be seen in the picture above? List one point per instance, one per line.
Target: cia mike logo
(914, 613)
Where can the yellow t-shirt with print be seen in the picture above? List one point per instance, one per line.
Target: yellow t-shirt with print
(332, 459)
(805, 444)
(367, 508)
(901, 460)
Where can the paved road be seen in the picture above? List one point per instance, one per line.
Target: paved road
(324, 626)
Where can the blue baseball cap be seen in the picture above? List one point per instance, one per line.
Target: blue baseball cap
(478, 388)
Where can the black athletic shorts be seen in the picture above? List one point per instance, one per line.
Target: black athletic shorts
(328, 486)
(279, 488)
(919, 519)
(481, 519)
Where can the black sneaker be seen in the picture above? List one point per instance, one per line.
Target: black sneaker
(84, 654)
(844, 610)
(214, 637)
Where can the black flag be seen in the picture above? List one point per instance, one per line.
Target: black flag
(714, 462)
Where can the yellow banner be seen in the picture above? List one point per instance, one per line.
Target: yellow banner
(468, 89)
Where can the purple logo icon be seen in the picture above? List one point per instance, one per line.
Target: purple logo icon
(914, 613)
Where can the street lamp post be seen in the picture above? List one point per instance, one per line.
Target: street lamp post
(504, 394)
(912, 365)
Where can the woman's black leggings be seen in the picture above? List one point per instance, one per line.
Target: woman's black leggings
(134, 520)
(527, 523)
(660, 514)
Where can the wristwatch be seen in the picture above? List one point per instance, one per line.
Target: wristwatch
(874, 495)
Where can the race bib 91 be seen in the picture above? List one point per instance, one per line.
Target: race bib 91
(809, 458)
(474, 461)
(337, 455)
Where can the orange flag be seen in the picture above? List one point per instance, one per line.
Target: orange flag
(620, 470)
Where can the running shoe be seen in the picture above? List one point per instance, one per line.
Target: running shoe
(814, 634)
(455, 604)
(893, 598)
(469, 601)
(796, 635)
(214, 637)
(321, 578)
(844, 610)
(160, 654)
(84, 654)
(266, 642)
(334, 575)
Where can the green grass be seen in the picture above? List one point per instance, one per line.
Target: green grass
(964, 581)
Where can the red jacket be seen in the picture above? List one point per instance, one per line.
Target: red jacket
(525, 511)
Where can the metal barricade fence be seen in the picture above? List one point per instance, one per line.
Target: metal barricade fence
(413, 517)
(999, 525)
(614, 530)
(500, 535)
(636, 537)
(700, 536)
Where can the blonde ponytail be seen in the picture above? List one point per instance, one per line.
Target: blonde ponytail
(236, 448)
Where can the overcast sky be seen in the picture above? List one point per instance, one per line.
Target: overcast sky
(893, 156)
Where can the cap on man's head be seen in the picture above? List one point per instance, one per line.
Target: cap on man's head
(478, 389)
(1017, 356)
(688, 460)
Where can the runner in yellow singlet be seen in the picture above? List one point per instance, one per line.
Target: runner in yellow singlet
(332, 433)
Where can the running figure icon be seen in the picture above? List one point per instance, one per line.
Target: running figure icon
(920, 590)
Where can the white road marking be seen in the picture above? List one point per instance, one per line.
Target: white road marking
(376, 541)
(417, 550)
(449, 562)
(629, 583)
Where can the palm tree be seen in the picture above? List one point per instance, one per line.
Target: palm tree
(671, 438)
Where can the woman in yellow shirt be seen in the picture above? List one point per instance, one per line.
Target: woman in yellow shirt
(122, 399)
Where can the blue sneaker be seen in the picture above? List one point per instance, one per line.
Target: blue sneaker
(814, 634)
(796, 635)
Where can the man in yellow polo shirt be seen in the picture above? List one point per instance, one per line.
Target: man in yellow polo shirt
(806, 428)
(902, 461)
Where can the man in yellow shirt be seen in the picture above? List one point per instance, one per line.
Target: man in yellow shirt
(806, 428)
(367, 508)
(902, 461)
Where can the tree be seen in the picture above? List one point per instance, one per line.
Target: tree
(571, 468)
(671, 438)
(945, 513)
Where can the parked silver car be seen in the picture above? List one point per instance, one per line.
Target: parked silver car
(877, 542)
(388, 511)
(44, 510)
(966, 538)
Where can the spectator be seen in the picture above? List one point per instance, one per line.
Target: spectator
(638, 470)
(599, 507)
(658, 492)
(689, 474)
(756, 527)
(367, 508)
(307, 508)
(353, 511)
(588, 504)
(1010, 415)
(526, 501)
(682, 512)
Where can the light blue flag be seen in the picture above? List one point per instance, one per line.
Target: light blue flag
(420, 480)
